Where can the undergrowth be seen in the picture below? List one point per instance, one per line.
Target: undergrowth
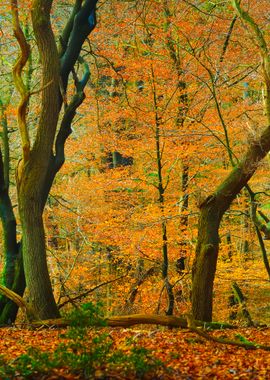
(89, 358)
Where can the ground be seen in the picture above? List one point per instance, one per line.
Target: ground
(185, 354)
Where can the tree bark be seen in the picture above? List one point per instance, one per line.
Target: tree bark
(12, 272)
(212, 211)
(34, 256)
(43, 157)
(204, 267)
(9, 309)
(141, 319)
(32, 169)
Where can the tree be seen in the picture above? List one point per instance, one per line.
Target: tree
(214, 206)
(43, 154)
(12, 273)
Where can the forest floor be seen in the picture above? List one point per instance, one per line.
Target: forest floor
(184, 354)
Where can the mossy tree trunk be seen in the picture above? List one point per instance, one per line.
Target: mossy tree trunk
(43, 157)
(31, 173)
(211, 213)
(12, 273)
(9, 309)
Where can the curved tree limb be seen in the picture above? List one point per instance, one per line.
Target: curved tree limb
(19, 83)
(19, 301)
(79, 26)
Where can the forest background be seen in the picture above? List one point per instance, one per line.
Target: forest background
(176, 94)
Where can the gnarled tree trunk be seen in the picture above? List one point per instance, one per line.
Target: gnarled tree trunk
(43, 157)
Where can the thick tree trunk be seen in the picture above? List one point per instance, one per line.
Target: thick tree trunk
(34, 258)
(204, 267)
(35, 164)
(43, 157)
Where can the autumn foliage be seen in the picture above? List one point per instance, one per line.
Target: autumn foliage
(170, 96)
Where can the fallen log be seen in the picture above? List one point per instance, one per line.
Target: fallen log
(183, 322)
(140, 319)
(116, 321)
(162, 320)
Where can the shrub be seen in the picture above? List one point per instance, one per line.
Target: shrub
(80, 354)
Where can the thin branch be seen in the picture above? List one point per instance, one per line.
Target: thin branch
(84, 294)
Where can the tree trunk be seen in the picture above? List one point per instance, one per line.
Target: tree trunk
(134, 289)
(212, 211)
(185, 199)
(9, 239)
(32, 170)
(34, 257)
(204, 267)
(12, 274)
(43, 157)
(9, 309)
